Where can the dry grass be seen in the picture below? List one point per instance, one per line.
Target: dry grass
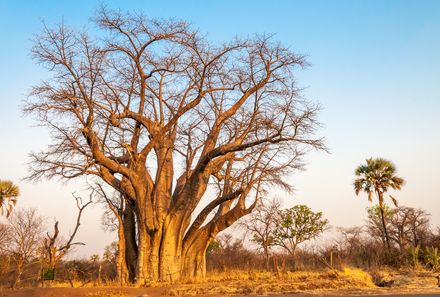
(405, 279)
(348, 281)
(106, 294)
(79, 284)
(239, 282)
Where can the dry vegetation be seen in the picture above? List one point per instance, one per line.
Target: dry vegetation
(346, 281)
(240, 282)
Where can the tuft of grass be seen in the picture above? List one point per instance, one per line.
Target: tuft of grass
(357, 277)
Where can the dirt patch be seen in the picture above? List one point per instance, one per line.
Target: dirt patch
(85, 292)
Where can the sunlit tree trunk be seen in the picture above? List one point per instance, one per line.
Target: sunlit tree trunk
(121, 260)
(171, 249)
(194, 260)
(143, 254)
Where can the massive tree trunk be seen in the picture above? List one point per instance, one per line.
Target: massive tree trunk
(153, 261)
(171, 249)
(131, 246)
(143, 253)
(194, 256)
(122, 273)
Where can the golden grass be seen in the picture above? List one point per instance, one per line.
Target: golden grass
(406, 278)
(349, 280)
(240, 282)
(106, 294)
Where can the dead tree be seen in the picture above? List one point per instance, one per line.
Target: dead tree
(56, 251)
(25, 233)
(409, 227)
(164, 117)
(261, 224)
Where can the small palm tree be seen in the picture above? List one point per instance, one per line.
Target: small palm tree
(375, 178)
(8, 196)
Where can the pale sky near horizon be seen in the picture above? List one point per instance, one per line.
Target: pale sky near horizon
(375, 71)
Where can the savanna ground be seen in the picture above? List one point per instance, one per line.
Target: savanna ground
(346, 282)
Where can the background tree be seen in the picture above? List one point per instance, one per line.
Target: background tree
(353, 245)
(374, 222)
(410, 226)
(8, 196)
(376, 177)
(261, 223)
(54, 248)
(434, 238)
(4, 237)
(407, 226)
(231, 253)
(160, 114)
(26, 233)
(297, 225)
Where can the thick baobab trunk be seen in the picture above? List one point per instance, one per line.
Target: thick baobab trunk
(131, 247)
(194, 260)
(121, 262)
(143, 256)
(153, 261)
(171, 250)
(194, 265)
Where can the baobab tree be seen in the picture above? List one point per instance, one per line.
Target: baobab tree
(166, 118)
(119, 216)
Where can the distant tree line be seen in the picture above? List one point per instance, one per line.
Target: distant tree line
(396, 237)
(414, 243)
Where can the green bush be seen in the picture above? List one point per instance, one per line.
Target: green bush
(413, 255)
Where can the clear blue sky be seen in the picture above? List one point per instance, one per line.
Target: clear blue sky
(375, 70)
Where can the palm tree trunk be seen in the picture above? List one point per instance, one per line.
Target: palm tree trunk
(384, 225)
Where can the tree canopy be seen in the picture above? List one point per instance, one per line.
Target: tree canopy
(9, 193)
(159, 113)
(297, 225)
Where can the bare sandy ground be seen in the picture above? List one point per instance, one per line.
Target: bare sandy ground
(162, 291)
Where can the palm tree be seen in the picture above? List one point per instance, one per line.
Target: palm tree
(8, 196)
(375, 178)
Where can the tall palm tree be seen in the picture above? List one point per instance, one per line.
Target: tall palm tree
(375, 178)
(8, 196)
